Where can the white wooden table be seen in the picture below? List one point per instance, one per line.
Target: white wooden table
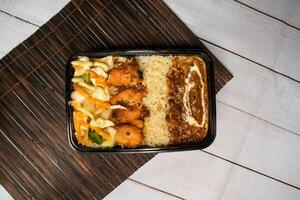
(256, 154)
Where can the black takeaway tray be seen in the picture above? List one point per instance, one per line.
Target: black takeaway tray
(211, 134)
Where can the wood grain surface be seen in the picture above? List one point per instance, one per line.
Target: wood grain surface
(36, 159)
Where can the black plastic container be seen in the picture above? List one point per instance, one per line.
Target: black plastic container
(211, 134)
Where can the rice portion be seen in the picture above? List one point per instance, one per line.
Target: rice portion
(155, 70)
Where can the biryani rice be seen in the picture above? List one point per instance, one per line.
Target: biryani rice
(155, 70)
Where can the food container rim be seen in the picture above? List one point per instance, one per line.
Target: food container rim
(211, 133)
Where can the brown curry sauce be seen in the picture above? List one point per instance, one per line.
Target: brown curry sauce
(181, 131)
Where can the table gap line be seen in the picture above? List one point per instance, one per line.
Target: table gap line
(109, 179)
(256, 117)
(153, 188)
(229, 161)
(248, 59)
(268, 15)
(19, 18)
(252, 170)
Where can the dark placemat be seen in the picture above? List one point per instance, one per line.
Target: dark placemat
(36, 159)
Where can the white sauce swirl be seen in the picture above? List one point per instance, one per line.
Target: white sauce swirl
(188, 115)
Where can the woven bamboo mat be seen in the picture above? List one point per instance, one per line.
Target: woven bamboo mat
(36, 160)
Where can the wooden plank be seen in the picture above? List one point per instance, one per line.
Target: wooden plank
(260, 92)
(287, 11)
(257, 144)
(13, 31)
(36, 12)
(243, 31)
(197, 175)
(134, 190)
